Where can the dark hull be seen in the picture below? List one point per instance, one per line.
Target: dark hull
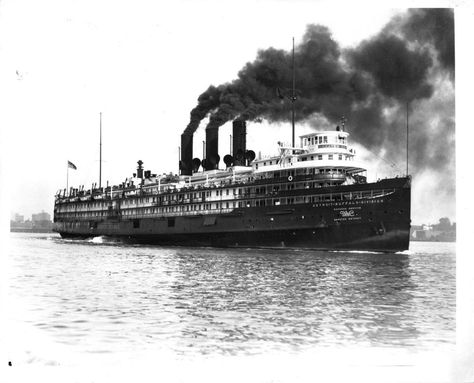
(357, 237)
(371, 224)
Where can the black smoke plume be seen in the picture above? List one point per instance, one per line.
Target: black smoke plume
(371, 85)
(434, 27)
(207, 102)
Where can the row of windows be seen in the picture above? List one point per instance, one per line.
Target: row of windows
(241, 204)
(187, 197)
(320, 157)
(324, 140)
(329, 157)
(235, 192)
(100, 205)
(298, 172)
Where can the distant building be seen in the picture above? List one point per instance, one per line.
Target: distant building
(18, 218)
(40, 222)
(41, 217)
(18, 224)
(426, 234)
(444, 231)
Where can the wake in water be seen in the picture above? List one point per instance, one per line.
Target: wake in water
(104, 240)
(98, 240)
(358, 252)
(406, 252)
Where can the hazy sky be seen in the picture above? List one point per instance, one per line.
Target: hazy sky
(143, 64)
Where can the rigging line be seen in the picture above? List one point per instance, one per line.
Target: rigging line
(392, 164)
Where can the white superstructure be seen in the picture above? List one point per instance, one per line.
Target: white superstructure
(323, 153)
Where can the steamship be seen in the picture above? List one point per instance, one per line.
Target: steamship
(314, 195)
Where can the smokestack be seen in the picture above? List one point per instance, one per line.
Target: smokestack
(239, 141)
(212, 145)
(186, 163)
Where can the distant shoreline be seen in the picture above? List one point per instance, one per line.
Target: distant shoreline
(432, 240)
(28, 230)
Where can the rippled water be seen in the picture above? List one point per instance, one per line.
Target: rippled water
(101, 296)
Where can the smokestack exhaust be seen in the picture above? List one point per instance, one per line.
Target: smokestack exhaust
(212, 146)
(239, 141)
(186, 163)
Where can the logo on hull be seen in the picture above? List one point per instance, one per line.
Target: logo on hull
(347, 214)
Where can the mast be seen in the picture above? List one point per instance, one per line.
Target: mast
(408, 104)
(100, 152)
(293, 98)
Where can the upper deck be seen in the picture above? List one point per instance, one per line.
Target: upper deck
(324, 157)
(320, 150)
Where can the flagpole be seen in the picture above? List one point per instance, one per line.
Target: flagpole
(67, 179)
(293, 98)
(100, 154)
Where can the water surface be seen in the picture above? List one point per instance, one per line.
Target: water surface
(104, 297)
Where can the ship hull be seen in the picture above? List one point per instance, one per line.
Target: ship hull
(357, 237)
(372, 224)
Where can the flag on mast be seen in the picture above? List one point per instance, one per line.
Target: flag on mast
(71, 165)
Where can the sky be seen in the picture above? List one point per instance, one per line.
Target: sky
(144, 64)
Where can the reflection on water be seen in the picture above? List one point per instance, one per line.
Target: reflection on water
(294, 299)
(109, 297)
